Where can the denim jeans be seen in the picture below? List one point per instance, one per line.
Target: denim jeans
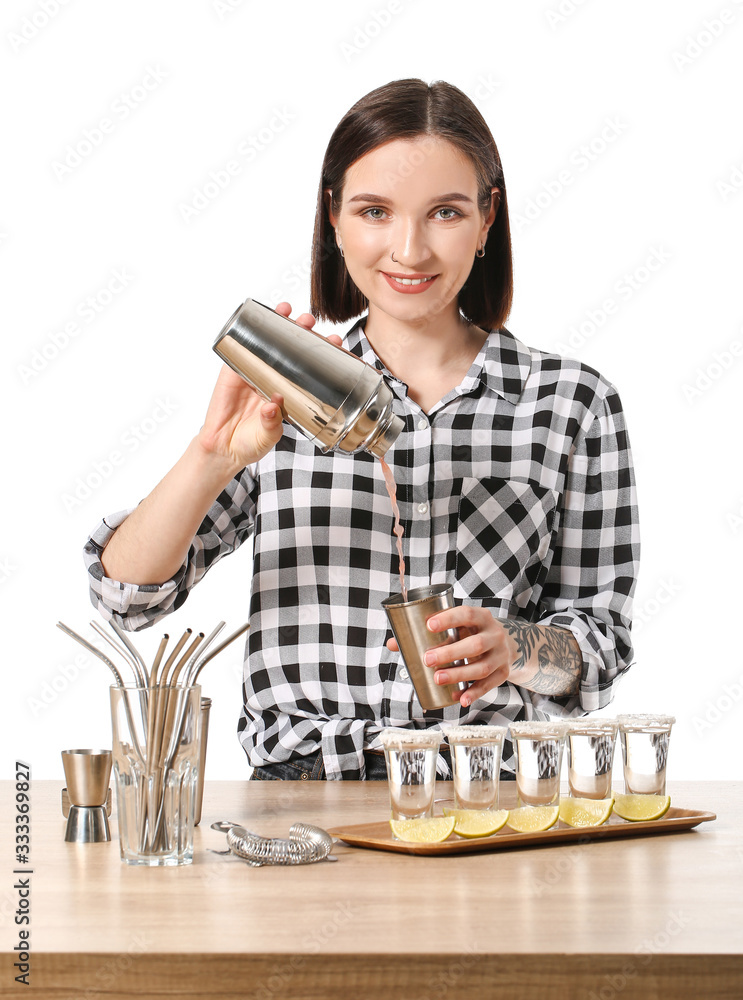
(312, 768)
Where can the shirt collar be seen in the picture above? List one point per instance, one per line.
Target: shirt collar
(503, 363)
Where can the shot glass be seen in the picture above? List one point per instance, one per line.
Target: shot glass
(590, 745)
(155, 758)
(538, 748)
(410, 755)
(645, 740)
(475, 758)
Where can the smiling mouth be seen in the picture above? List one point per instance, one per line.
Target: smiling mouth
(404, 280)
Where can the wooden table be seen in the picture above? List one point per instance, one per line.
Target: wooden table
(657, 916)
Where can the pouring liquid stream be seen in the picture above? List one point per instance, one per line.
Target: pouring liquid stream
(389, 480)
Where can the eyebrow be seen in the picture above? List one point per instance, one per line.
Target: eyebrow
(452, 196)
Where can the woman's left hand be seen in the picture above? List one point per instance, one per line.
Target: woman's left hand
(483, 642)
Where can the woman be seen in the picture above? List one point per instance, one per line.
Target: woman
(513, 474)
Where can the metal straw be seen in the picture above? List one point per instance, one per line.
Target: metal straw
(173, 731)
(215, 652)
(92, 649)
(190, 654)
(171, 659)
(159, 655)
(124, 652)
(121, 650)
(119, 682)
(152, 701)
(206, 645)
(159, 707)
(140, 669)
(170, 697)
(163, 704)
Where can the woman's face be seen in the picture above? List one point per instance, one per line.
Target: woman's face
(416, 199)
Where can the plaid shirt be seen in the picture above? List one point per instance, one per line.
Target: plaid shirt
(517, 488)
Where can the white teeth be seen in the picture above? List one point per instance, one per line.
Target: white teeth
(411, 281)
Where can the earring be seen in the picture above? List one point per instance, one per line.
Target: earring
(341, 250)
(480, 252)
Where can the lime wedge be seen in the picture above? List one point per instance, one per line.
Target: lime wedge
(477, 822)
(533, 819)
(585, 812)
(425, 830)
(641, 807)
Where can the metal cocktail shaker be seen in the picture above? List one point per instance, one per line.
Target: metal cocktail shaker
(206, 705)
(331, 396)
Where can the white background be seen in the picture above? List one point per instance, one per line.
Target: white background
(652, 91)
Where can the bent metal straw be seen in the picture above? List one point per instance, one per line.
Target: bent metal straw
(92, 649)
(163, 706)
(142, 671)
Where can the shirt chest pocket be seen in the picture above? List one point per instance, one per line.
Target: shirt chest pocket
(504, 535)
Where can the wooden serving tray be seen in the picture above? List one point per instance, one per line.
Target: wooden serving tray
(378, 836)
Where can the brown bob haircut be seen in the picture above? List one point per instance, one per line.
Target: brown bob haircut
(407, 109)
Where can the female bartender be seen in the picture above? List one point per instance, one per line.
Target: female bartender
(513, 471)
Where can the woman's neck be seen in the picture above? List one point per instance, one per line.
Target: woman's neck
(430, 358)
(444, 345)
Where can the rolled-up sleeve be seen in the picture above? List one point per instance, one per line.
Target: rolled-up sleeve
(134, 606)
(591, 582)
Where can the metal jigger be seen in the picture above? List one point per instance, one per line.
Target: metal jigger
(88, 773)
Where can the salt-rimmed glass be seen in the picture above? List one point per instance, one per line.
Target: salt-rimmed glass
(410, 755)
(538, 750)
(645, 739)
(590, 747)
(475, 759)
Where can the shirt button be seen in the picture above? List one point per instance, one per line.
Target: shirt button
(422, 424)
(422, 508)
(404, 674)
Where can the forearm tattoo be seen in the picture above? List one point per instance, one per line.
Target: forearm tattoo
(549, 654)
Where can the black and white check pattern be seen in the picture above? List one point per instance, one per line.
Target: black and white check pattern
(517, 488)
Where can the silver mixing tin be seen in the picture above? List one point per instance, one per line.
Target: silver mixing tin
(334, 398)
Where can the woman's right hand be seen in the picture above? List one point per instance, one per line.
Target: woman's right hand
(240, 425)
